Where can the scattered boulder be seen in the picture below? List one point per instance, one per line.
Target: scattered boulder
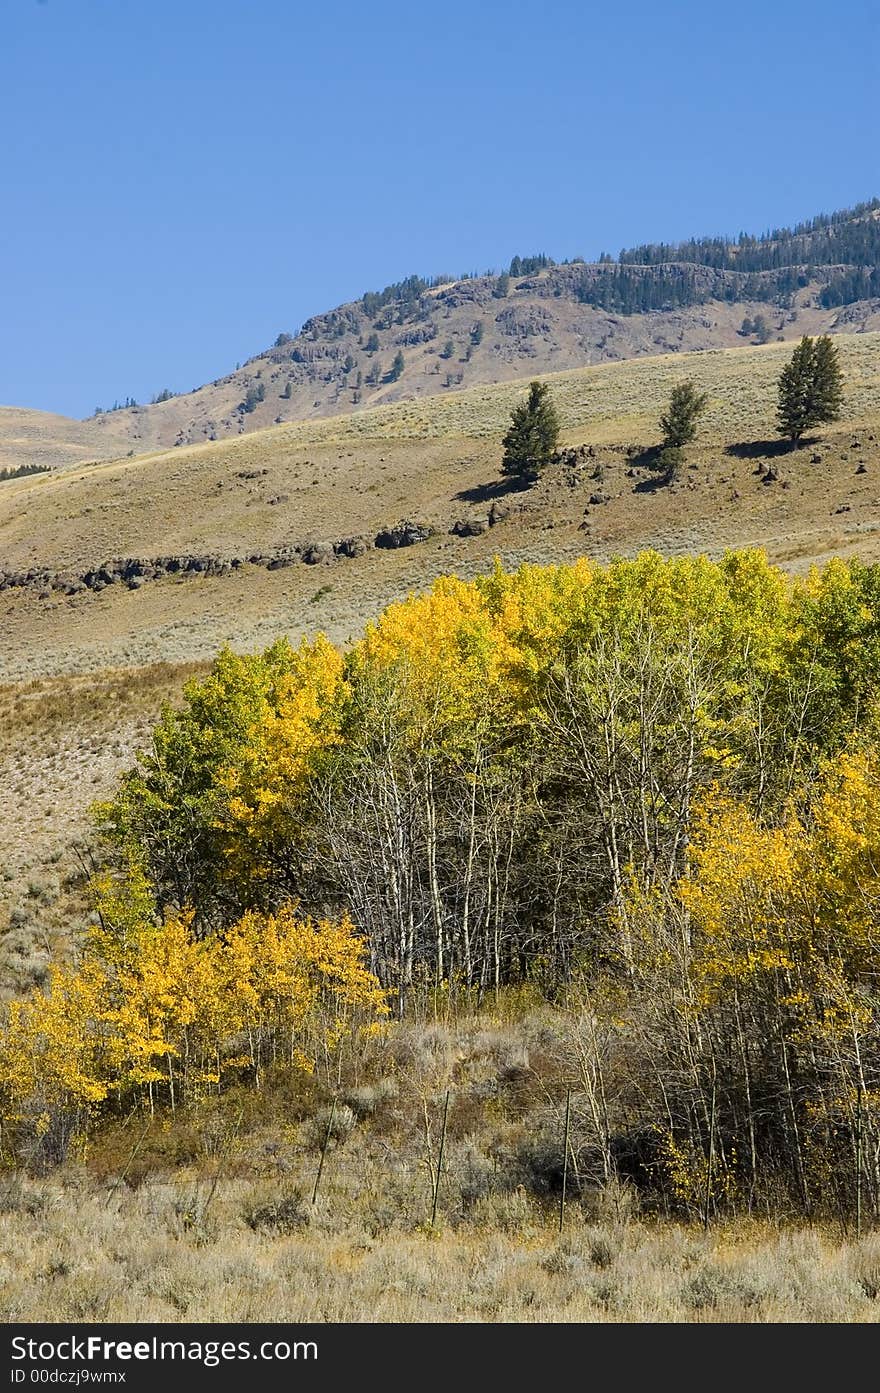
(575, 457)
(351, 547)
(319, 554)
(405, 534)
(600, 498)
(470, 527)
(499, 512)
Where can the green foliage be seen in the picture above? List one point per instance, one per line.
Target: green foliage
(396, 368)
(670, 462)
(117, 406)
(528, 265)
(679, 421)
(20, 471)
(532, 436)
(848, 237)
(406, 292)
(183, 809)
(255, 393)
(810, 388)
(627, 290)
(827, 381)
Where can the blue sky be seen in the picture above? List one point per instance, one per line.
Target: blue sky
(183, 179)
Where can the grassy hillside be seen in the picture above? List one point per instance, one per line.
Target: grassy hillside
(540, 327)
(425, 338)
(39, 438)
(435, 461)
(208, 1211)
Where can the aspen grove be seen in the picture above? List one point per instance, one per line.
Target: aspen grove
(650, 788)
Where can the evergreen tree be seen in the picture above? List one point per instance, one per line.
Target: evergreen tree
(254, 395)
(396, 367)
(810, 388)
(532, 435)
(679, 421)
(286, 393)
(827, 381)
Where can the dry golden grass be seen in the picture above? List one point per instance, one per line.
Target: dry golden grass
(542, 326)
(351, 474)
(63, 744)
(207, 1214)
(84, 679)
(40, 437)
(78, 1253)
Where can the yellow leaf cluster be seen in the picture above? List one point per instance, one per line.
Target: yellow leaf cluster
(164, 1008)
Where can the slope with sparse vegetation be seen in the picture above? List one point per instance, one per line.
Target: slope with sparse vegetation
(645, 965)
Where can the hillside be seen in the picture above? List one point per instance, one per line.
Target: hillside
(294, 527)
(275, 532)
(421, 338)
(540, 326)
(42, 440)
(120, 579)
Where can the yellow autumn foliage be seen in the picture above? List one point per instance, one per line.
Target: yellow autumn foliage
(164, 1010)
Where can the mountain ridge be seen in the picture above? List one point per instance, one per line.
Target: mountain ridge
(421, 338)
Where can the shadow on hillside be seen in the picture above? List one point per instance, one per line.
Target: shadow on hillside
(647, 458)
(660, 480)
(484, 493)
(761, 449)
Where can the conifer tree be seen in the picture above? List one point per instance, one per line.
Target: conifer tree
(532, 435)
(396, 367)
(827, 381)
(679, 421)
(810, 388)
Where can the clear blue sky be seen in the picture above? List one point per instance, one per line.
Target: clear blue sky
(182, 179)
